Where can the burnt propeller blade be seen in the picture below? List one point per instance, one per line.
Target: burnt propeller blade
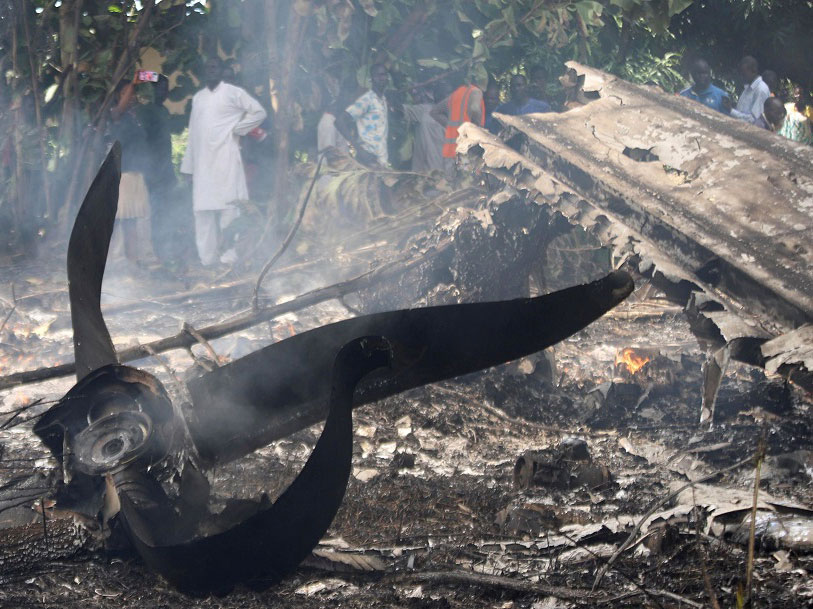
(268, 545)
(87, 255)
(284, 387)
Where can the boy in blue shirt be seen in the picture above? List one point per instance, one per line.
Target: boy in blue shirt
(704, 92)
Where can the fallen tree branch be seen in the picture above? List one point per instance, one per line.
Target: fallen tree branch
(235, 287)
(24, 548)
(246, 320)
(13, 308)
(201, 340)
(651, 592)
(288, 238)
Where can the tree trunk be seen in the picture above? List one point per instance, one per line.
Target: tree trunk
(83, 168)
(69, 13)
(35, 91)
(282, 67)
(19, 198)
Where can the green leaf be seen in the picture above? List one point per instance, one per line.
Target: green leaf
(433, 63)
(368, 6)
(626, 5)
(102, 58)
(510, 20)
(590, 11)
(678, 6)
(480, 50)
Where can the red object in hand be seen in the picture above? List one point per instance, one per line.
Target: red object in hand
(258, 133)
(146, 76)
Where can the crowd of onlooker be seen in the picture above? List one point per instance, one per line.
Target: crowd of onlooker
(358, 123)
(761, 102)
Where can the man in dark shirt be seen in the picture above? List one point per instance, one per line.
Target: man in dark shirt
(773, 115)
(159, 172)
(491, 99)
(537, 83)
(131, 237)
(521, 102)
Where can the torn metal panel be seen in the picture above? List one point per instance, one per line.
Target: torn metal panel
(792, 355)
(725, 202)
(713, 373)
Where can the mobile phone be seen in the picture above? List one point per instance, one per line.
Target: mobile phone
(146, 76)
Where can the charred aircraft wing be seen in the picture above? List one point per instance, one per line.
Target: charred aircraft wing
(284, 387)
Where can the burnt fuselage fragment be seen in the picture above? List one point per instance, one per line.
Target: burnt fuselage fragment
(118, 420)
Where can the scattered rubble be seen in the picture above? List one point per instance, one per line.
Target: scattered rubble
(567, 479)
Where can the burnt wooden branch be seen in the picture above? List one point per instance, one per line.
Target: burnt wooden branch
(183, 339)
(288, 238)
(24, 548)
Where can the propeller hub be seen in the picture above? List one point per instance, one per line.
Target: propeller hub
(112, 441)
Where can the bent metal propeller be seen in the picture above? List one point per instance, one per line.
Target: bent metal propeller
(119, 423)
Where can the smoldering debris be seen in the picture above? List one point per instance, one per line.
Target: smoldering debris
(432, 514)
(118, 421)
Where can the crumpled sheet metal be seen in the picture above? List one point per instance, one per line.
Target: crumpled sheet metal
(624, 232)
(728, 202)
(795, 347)
(521, 172)
(243, 405)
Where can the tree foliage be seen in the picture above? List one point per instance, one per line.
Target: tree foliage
(60, 61)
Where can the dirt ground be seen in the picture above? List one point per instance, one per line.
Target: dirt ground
(434, 515)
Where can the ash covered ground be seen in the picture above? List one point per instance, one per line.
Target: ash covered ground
(508, 488)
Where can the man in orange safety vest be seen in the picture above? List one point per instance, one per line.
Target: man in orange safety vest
(464, 105)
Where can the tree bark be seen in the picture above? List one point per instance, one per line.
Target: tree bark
(69, 13)
(18, 203)
(282, 67)
(35, 91)
(24, 548)
(83, 172)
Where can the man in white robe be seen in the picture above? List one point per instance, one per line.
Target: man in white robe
(221, 113)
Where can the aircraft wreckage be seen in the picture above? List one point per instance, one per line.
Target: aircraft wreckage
(719, 212)
(116, 430)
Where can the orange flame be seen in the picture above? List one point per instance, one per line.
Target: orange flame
(631, 360)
